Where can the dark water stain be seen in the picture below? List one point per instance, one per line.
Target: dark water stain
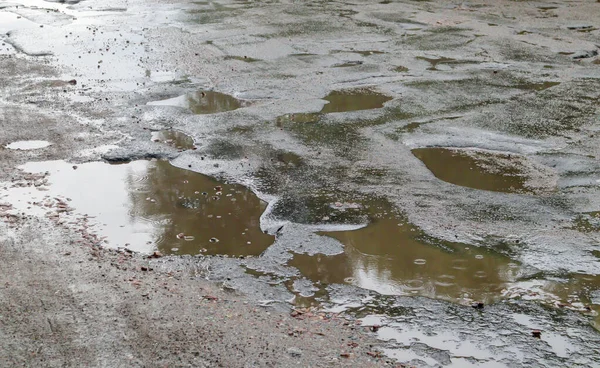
(303, 54)
(173, 138)
(297, 118)
(477, 170)
(436, 61)
(410, 127)
(536, 86)
(324, 207)
(211, 12)
(587, 30)
(289, 158)
(203, 102)
(348, 64)
(241, 58)
(241, 129)
(225, 149)
(152, 205)
(354, 100)
(361, 52)
(390, 257)
(344, 138)
(588, 222)
(444, 60)
(400, 69)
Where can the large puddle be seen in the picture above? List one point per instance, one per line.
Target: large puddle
(152, 205)
(389, 257)
(392, 257)
(474, 169)
(203, 102)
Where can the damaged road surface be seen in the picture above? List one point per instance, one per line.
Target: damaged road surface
(258, 183)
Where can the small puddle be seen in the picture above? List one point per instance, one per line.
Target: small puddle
(354, 100)
(203, 102)
(388, 256)
(436, 61)
(173, 138)
(152, 205)
(338, 101)
(478, 170)
(545, 8)
(28, 145)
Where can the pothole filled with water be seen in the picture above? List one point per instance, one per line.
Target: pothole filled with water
(151, 205)
(392, 257)
(389, 257)
(203, 102)
(354, 100)
(485, 170)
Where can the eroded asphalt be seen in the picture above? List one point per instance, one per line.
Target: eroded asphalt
(513, 82)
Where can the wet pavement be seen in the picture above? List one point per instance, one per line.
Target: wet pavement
(475, 123)
(179, 140)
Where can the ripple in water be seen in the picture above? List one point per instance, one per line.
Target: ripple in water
(146, 204)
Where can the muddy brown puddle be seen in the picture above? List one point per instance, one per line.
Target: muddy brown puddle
(393, 257)
(340, 101)
(353, 100)
(388, 257)
(203, 102)
(152, 205)
(478, 171)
